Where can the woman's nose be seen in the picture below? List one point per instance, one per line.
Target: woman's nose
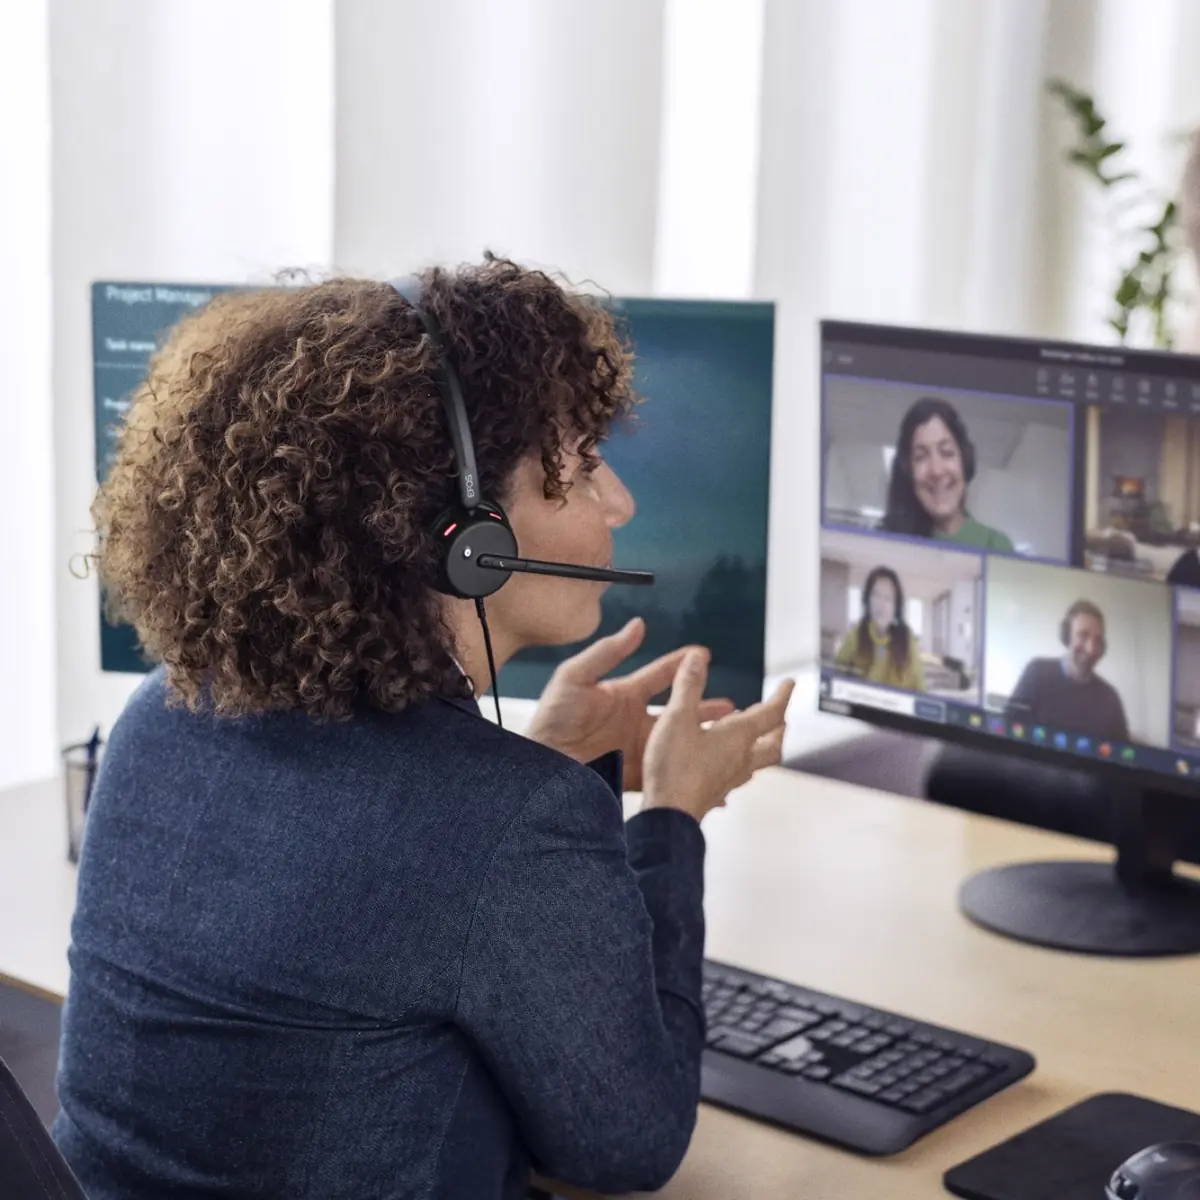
(619, 505)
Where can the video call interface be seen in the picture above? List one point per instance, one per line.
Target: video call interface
(1010, 541)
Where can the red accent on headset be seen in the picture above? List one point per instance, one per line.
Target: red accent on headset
(450, 530)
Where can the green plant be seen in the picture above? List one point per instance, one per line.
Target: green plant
(1146, 280)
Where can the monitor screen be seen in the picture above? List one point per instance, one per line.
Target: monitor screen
(697, 460)
(696, 457)
(1009, 537)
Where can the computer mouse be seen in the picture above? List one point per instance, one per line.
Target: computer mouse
(1168, 1171)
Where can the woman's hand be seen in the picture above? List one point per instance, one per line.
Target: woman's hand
(693, 767)
(584, 715)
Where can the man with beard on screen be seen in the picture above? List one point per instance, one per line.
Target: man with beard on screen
(1066, 693)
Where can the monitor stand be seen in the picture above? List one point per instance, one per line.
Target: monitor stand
(1136, 906)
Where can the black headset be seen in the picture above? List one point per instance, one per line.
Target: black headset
(476, 546)
(477, 549)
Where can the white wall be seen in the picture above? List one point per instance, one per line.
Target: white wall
(192, 141)
(1024, 604)
(705, 232)
(27, 718)
(1030, 500)
(528, 127)
(964, 623)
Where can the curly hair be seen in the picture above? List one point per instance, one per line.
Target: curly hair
(266, 524)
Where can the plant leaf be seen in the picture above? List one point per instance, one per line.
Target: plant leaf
(1128, 290)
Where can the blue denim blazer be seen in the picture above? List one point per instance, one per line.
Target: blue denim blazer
(396, 956)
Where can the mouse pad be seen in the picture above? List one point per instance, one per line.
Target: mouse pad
(1072, 1155)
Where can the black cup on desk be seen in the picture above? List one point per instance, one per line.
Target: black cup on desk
(80, 763)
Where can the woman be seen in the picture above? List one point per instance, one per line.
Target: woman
(336, 934)
(881, 647)
(934, 462)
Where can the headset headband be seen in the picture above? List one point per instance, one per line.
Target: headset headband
(451, 393)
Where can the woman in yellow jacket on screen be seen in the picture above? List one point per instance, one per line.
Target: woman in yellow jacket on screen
(881, 648)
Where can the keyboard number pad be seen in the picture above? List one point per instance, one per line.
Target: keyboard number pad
(917, 1078)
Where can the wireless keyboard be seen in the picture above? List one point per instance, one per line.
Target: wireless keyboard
(868, 1080)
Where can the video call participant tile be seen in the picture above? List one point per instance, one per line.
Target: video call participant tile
(986, 471)
(1142, 501)
(1080, 653)
(901, 615)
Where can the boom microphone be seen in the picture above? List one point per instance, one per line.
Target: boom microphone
(534, 566)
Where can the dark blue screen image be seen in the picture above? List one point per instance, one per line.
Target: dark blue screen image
(696, 458)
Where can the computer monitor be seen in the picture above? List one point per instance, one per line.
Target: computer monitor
(695, 456)
(1008, 548)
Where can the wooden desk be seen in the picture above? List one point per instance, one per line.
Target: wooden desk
(854, 892)
(847, 890)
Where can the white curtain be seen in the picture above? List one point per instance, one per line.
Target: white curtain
(889, 160)
(27, 545)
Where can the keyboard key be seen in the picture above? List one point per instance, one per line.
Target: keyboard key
(898, 1029)
(798, 1047)
(817, 1071)
(743, 1045)
(921, 1103)
(873, 1021)
(864, 1087)
(780, 1028)
(960, 1081)
(798, 1014)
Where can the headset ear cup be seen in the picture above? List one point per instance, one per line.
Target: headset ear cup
(461, 536)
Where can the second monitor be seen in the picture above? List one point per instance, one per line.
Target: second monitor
(696, 457)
